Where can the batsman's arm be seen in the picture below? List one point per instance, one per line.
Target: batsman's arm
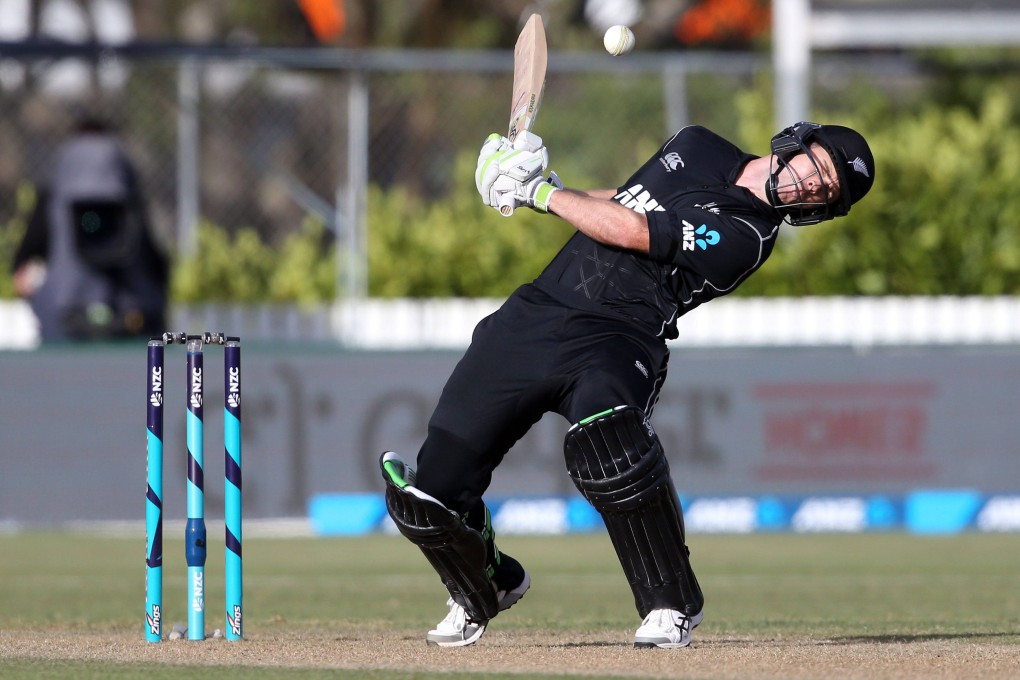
(594, 213)
(597, 193)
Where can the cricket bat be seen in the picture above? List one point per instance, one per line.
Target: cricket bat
(530, 59)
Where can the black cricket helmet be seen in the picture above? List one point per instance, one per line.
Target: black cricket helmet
(852, 160)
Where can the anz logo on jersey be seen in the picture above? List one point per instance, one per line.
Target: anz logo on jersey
(702, 236)
(638, 199)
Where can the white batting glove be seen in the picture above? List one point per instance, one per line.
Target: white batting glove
(501, 168)
(486, 170)
(535, 193)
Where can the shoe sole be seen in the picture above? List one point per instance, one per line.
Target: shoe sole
(650, 644)
(436, 641)
(514, 596)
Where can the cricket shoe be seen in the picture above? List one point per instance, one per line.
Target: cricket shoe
(511, 581)
(666, 629)
(458, 629)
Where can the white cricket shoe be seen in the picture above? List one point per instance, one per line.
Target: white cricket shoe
(458, 629)
(508, 598)
(666, 629)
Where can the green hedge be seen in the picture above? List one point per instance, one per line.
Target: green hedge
(457, 247)
(243, 268)
(11, 234)
(942, 219)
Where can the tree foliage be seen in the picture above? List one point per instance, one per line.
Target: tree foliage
(943, 217)
(456, 247)
(243, 268)
(11, 235)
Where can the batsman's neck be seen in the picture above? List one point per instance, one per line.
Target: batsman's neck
(754, 175)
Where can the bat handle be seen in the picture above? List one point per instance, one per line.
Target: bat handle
(507, 205)
(526, 140)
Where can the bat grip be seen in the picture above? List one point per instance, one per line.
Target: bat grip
(507, 205)
(526, 140)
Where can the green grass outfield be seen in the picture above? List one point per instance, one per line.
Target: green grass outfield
(831, 589)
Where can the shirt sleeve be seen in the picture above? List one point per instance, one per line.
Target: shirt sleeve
(720, 249)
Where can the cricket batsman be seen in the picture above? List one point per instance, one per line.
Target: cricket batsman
(587, 340)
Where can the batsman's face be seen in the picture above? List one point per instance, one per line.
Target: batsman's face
(809, 179)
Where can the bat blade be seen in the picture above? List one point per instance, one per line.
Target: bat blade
(530, 60)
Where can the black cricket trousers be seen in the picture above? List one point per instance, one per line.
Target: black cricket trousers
(532, 356)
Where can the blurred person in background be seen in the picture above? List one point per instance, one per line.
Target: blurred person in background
(89, 264)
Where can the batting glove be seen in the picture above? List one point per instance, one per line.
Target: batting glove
(502, 169)
(535, 193)
(487, 168)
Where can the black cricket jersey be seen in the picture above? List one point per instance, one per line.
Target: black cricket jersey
(706, 236)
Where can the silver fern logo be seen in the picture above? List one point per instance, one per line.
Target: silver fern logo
(860, 166)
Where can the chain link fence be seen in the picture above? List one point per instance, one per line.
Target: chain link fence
(262, 139)
(265, 139)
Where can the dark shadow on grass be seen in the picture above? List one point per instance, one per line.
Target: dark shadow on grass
(831, 641)
(901, 639)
